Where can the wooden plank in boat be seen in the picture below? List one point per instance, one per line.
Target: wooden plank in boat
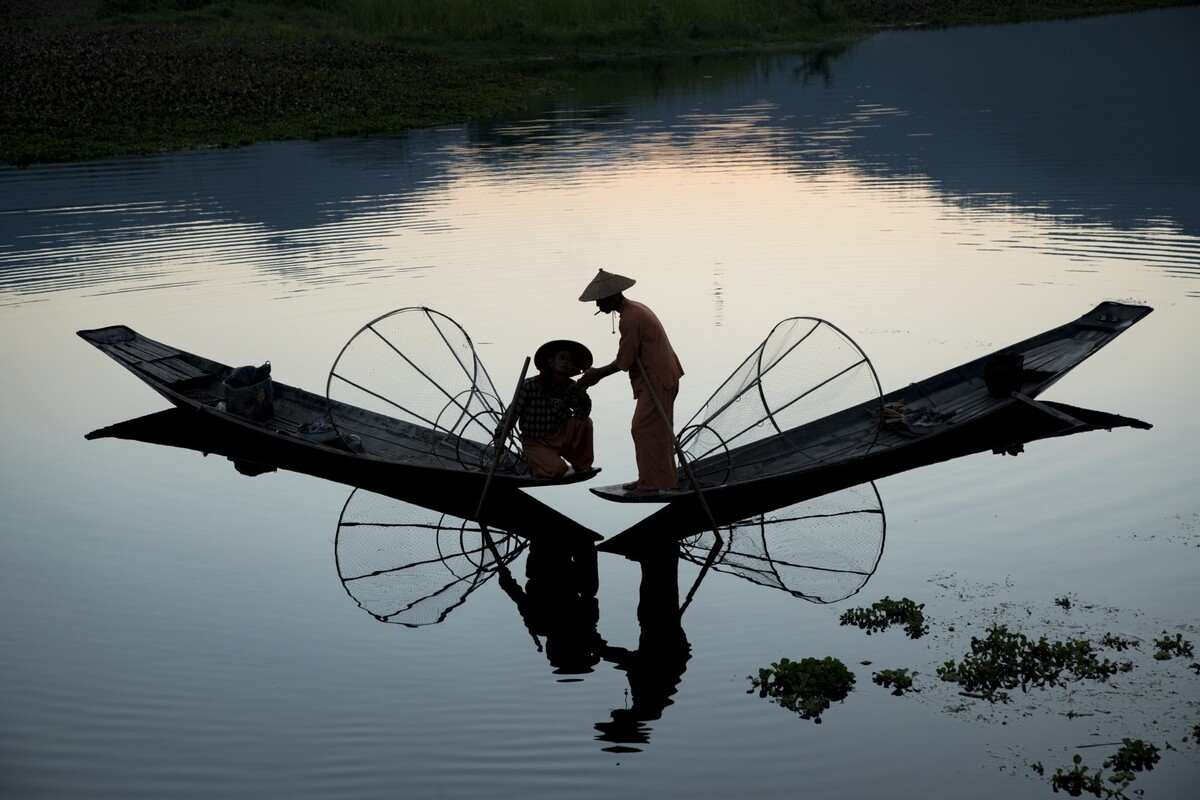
(146, 350)
(184, 369)
(121, 353)
(160, 374)
(170, 370)
(162, 363)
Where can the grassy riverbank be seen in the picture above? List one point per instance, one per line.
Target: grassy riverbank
(83, 79)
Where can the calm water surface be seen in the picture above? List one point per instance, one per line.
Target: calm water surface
(175, 628)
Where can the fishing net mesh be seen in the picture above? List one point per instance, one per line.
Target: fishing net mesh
(409, 565)
(803, 373)
(822, 550)
(420, 368)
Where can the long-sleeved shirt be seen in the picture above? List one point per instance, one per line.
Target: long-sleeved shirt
(643, 335)
(543, 405)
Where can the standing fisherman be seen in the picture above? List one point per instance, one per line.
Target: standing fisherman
(642, 339)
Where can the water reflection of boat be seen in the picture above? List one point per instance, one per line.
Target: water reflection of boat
(408, 565)
(753, 438)
(818, 550)
(431, 444)
(821, 550)
(410, 555)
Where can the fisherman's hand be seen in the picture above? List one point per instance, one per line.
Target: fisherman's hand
(590, 377)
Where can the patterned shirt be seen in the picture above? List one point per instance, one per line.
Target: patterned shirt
(543, 406)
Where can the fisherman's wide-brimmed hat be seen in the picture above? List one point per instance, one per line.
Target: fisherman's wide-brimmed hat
(605, 284)
(579, 354)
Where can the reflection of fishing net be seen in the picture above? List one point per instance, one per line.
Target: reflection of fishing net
(807, 392)
(409, 565)
(419, 369)
(821, 550)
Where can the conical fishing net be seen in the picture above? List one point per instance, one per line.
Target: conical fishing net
(409, 565)
(808, 393)
(822, 550)
(420, 369)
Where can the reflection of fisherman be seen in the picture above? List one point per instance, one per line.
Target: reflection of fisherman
(655, 669)
(552, 411)
(559, 603)
(642, 338)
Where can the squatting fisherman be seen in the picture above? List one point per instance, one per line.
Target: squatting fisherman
(552, 411)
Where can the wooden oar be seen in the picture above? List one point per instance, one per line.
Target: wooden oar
(687, 468)
(498, 440)
(498, 443)
(708, 562)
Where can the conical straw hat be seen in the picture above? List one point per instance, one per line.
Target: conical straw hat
(579, 354)
(605, 284)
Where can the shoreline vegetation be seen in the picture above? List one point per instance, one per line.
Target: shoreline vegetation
(88, 79)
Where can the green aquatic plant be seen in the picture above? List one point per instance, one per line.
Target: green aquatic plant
(1077, 780)
(1118, 643)
(1168, 648)
(1005, 660)
(887, 612)
(807, 687)
(898, 680)
(1133, 756)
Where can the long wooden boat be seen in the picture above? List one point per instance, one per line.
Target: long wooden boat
(386, 449)
(1004, 434)
(508, 508)
(872, 439)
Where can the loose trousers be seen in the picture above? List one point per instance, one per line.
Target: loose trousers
(654, 442)
(572, 441)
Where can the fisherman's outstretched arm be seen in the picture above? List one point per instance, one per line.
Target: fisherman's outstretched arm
(597, 374)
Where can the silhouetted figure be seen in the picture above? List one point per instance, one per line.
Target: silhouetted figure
(654, 370)
(655, 669)
(552, 411)
(558, 602)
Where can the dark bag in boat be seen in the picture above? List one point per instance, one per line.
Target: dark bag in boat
(248, 393)
(1003, 372)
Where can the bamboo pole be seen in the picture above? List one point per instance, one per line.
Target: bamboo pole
(687, 468)
(498, 443)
